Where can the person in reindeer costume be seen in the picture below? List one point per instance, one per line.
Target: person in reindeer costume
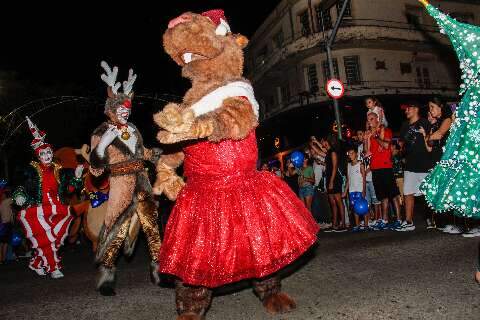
(45, 217)
(230, 222)
(117, 149)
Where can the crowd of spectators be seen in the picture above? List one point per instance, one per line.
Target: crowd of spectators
(384, 169)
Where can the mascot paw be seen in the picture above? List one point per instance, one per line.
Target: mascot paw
(174, 119)
(190, 316)
(279, 303)
(167, 137)
(171, 187)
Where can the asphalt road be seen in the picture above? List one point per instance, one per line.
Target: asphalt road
(377, 275)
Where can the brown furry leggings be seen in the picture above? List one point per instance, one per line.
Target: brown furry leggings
(197, 300)
(147, 214)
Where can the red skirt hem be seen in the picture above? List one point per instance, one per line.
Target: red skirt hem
(247, 274)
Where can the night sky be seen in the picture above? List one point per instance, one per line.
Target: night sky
(52, 44)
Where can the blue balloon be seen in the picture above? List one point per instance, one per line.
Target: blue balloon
(354, 196)
(361, 207)
(16, 239)
(297, 158)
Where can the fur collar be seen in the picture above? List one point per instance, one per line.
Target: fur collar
(214, 99)
(119, 144)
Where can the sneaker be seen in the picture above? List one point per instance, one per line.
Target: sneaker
(447, 228)
(327, 230)
(380, 225)
(356, 229)
(39, 271)
(472, 233)
(394, 225)
(340, 229)
(405, 227)
(430, 224)
(56, 274)
(371, 223)
(324, 225)
(455, 230)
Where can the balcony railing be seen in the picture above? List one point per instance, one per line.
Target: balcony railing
(365, 88)
(392, 29)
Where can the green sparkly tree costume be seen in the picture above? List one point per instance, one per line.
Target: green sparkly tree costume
(454, 183)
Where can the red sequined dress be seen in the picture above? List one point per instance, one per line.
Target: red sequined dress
(230, 221)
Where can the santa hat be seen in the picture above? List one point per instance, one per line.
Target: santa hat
(217, 16)
(38, 143)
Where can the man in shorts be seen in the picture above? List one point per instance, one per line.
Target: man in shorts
(379, 147)
(417, 160)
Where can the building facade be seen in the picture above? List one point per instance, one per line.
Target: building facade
(383, 48)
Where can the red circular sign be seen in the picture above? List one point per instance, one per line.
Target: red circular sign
(335, 88)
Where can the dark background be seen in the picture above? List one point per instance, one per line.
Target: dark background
(53, 49)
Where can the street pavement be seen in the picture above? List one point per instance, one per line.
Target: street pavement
(376, 275)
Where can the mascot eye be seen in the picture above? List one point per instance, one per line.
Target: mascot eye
(223, 28)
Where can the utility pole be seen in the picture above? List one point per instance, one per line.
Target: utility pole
(329, 45)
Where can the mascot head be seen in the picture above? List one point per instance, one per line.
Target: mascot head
(204, 46)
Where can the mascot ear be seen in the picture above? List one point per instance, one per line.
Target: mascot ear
(241, 41)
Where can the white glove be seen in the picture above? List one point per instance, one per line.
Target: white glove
(79, 171)
(20, 200)
(106, 140)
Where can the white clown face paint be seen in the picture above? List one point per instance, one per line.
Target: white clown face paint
(122, 114)
(46, 156)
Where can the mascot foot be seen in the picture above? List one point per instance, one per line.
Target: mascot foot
(154, 276)
(190, 316)
(106, 281)
(279, 303)
(192, 302)
(269, 292)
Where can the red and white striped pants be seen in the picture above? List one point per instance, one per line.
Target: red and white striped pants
(46, 226)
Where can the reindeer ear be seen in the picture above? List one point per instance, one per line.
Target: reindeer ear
(110, 92)
(241, 40)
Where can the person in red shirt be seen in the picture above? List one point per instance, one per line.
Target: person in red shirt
(378, 142)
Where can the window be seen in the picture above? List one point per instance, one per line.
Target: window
(327, 18)
(423, 77)
(380, 65)
(326, 70)
(285, 91)
(278, 39)
(348, 10)
(352, 69)
(405, 67)
(262, 54)
(305, 23)
(414, 15)
(312, 78)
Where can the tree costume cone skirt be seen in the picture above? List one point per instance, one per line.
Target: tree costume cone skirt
(454, 183)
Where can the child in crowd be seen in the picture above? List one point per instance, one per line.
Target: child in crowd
(356, 185)
(375, 106)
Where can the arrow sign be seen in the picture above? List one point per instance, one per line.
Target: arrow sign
(335, 88)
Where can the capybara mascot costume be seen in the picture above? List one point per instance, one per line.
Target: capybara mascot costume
(230, 221)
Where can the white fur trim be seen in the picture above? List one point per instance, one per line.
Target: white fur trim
(223, 28)
(214, 99)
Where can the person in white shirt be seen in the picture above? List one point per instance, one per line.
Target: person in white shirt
(356, 185)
